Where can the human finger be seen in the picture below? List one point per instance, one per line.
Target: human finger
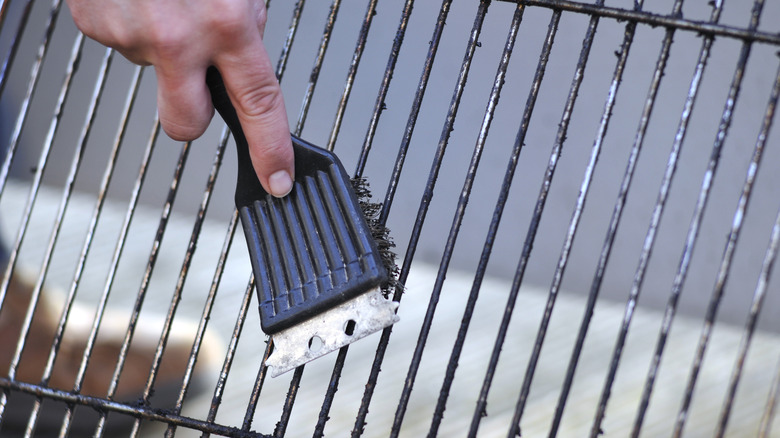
(183, 101)
(256, 95)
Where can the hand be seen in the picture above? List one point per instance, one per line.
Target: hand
(181, 39)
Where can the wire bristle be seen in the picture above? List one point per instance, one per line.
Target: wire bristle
(380, 233)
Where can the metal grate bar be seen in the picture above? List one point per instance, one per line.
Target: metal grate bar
(176, 299)
(315, 71)
(480, 409)
(129, 104)
(711, 29)
(416, 103)
(103, 404)
(590, 305)
(219, 388)
(693, 234)
(663, 194)
(9, 58)
(112, 271)
(774, 395)
(766, 267)
(353, 67)
(333, 386)
(660, 68)
(323, 417)
(118, 250)
(449, 121)
(163, 224)
(255, 396)
(61, 98)
(295, 384)
(281, 427)
(208, 306)
(701, 204)
(523, 130)
(380, 106)
(282, 63)
(462, 201)
(101, 197)
(360, 420)
(327, 403)
(42, 162)
(468, 184)
(69, 185)
(24, 111)
(469, 309)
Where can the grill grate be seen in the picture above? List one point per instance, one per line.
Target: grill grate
(586, 324)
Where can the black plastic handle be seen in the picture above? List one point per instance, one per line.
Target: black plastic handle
(248, 187)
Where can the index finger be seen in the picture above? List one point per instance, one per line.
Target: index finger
(257, 97)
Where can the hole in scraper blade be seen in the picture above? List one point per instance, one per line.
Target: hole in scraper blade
(349, 327)
(315, 344)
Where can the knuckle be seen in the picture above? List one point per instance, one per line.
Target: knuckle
(261, 101)
(167, 42)
(118, 35)
(165, 35)
(228, 17)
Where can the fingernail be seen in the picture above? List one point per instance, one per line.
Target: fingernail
(280, 183)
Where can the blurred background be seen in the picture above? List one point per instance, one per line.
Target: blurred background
(317, 123)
